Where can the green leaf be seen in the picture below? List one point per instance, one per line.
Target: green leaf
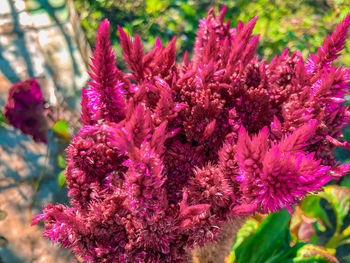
(346, 181)
(188, 9)
(311, 253)
(311, 207)
(154, 6)
(62, 129)
(286, 255)
(344, 242)
(61, 179)
(346, 259)
(61, 161)
(339, 239)
(339, 199)
(320, 226)
(2, 119)
(126, 30)
(248, 228)
(346, 231)
(137, 22)
(270, 238)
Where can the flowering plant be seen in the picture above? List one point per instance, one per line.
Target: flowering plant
(170, 152)
(25, 109)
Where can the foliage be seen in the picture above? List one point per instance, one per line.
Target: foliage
(301, 234)
(270, 242)
(298, 25)
(2, 119)
(61, 178)
(61, 128)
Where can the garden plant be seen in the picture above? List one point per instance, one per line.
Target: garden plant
(169, 152)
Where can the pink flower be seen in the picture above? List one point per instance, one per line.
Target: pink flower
(25, 109)
(275, 176)
(170, 151)
(103, 100)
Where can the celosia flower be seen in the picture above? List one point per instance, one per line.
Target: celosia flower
(170, 151)
(25, 109)
(275, 176)
(93, 166)
(104, 99)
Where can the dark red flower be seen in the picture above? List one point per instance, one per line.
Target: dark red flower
(25, 109)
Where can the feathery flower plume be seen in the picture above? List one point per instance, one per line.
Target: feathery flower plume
(104, 99)
(330, 49)
(170, 152)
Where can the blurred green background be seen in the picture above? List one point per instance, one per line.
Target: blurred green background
(294, 24)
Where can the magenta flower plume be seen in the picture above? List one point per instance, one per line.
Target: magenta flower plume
(104, 99)
(330, 49)
(25, 109)
(275, 176)
(170, 152)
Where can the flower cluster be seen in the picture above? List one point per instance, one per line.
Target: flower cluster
(25, 109)
(169, 152)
